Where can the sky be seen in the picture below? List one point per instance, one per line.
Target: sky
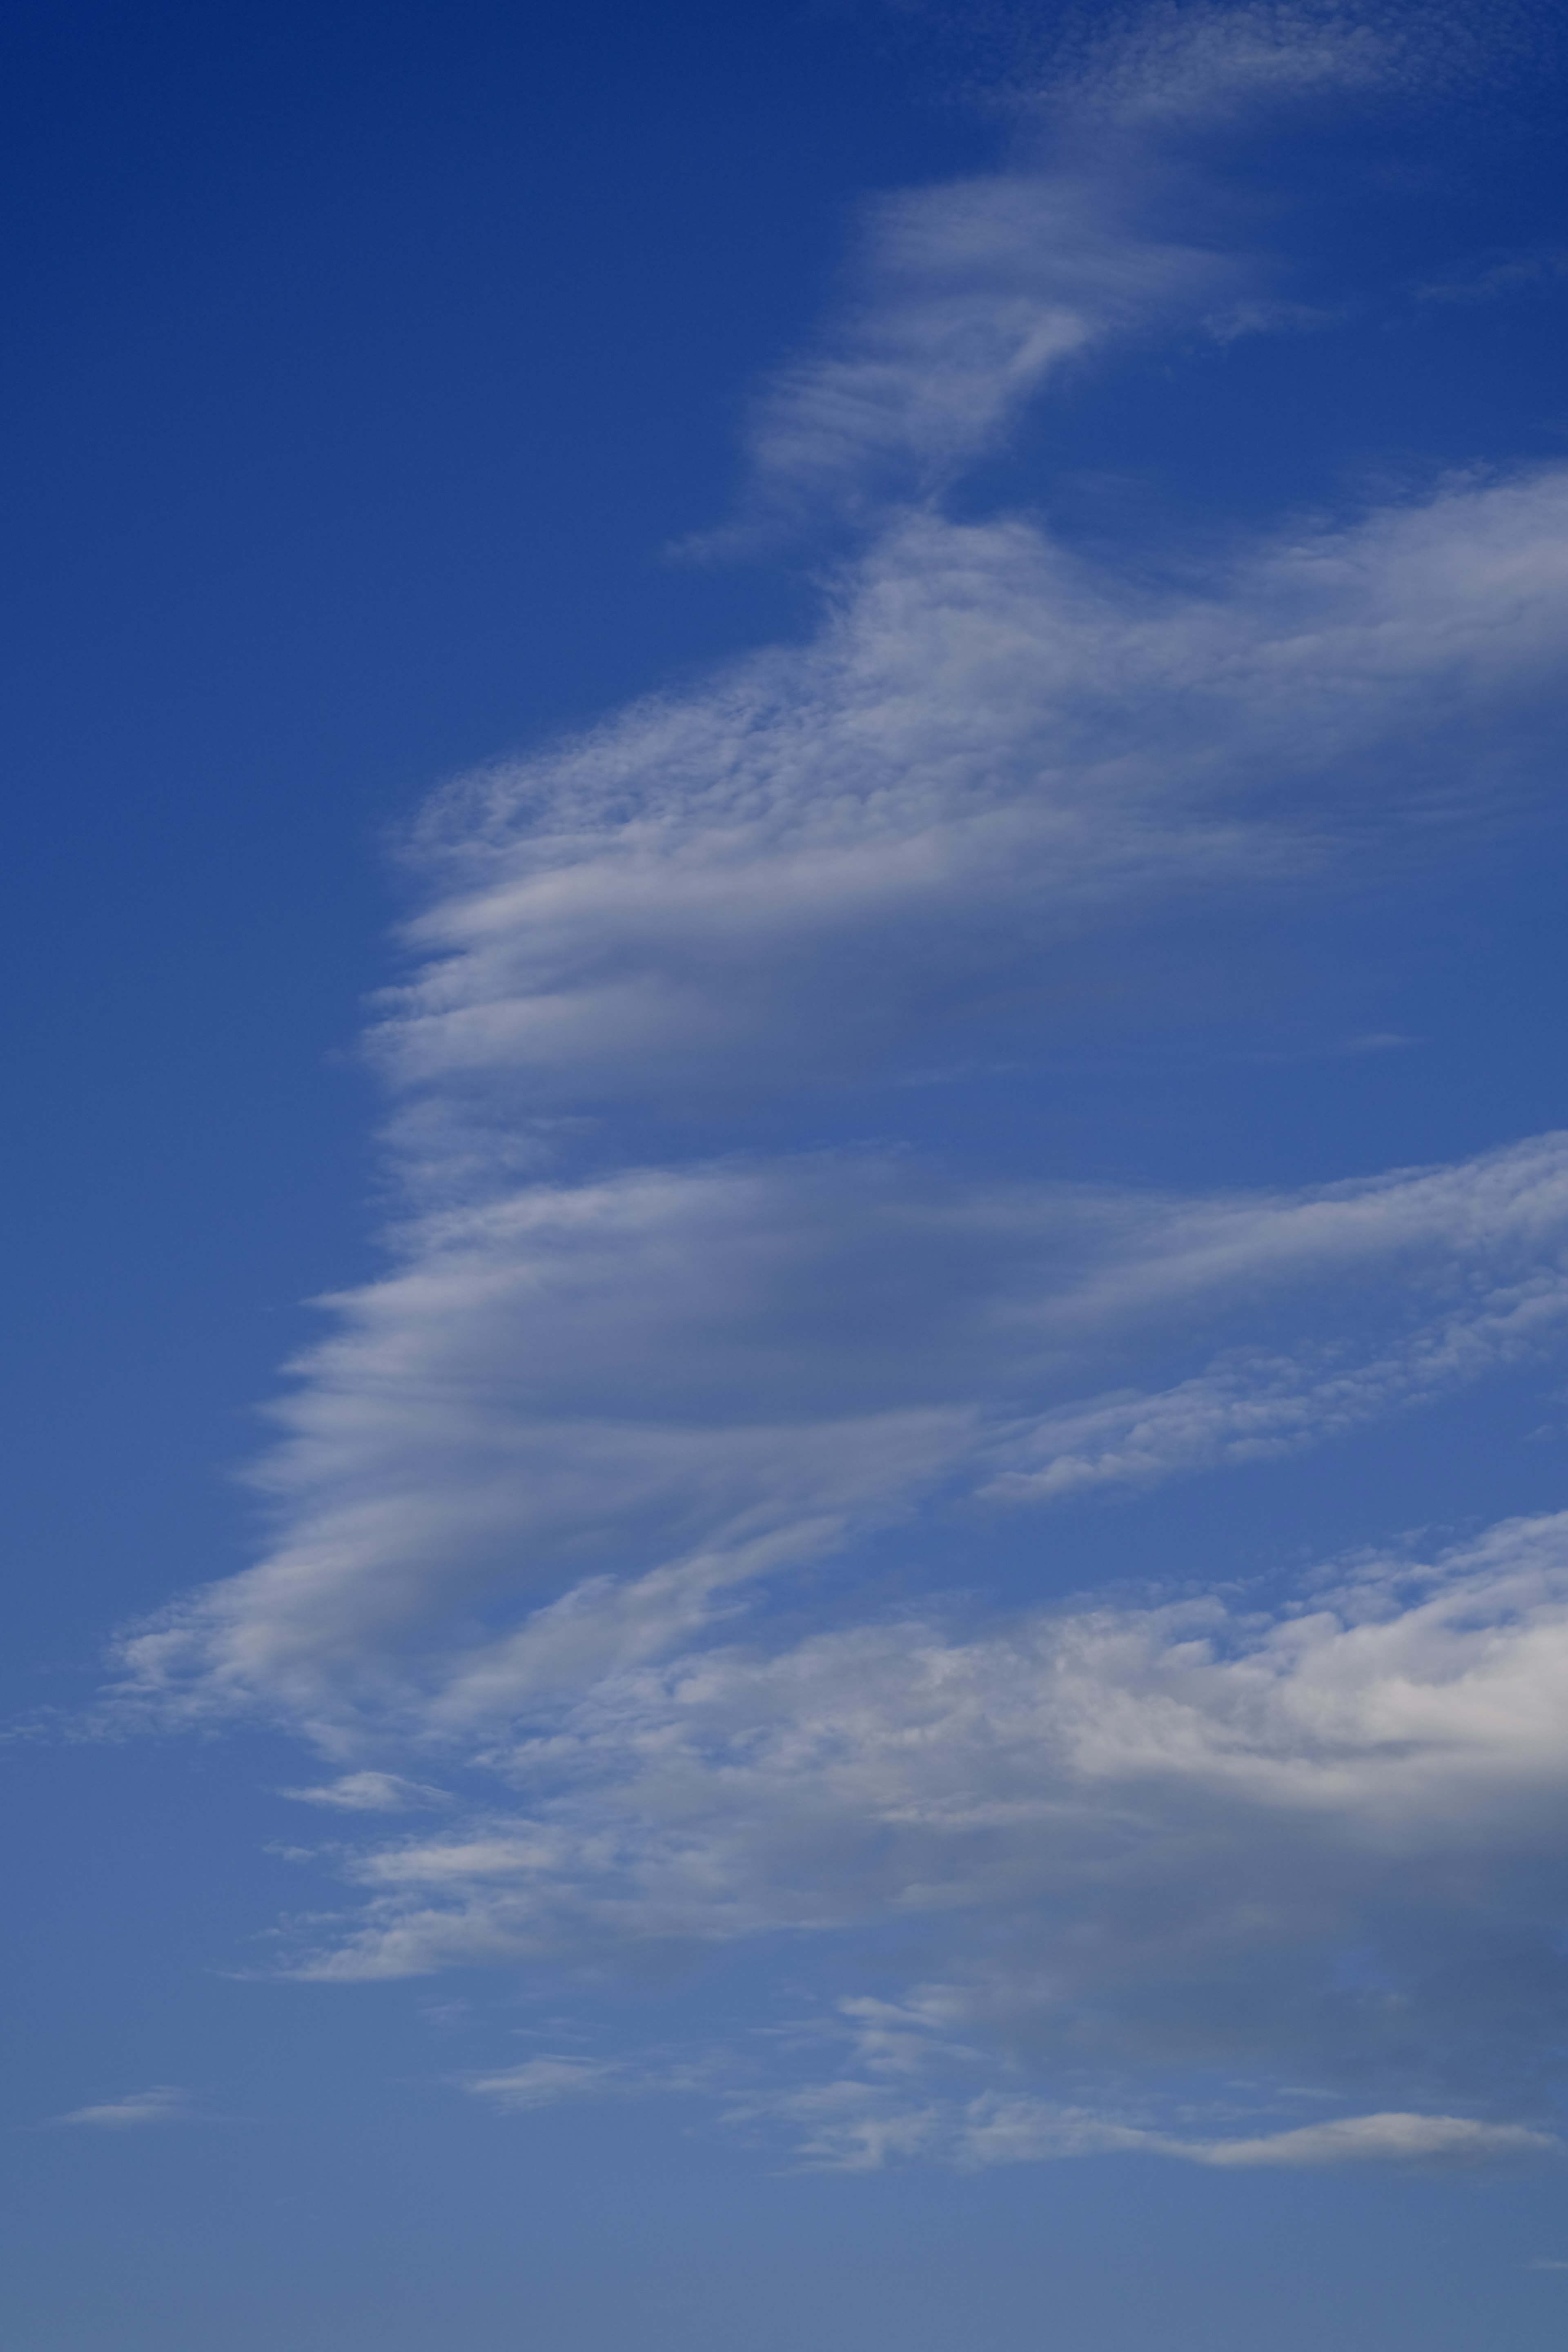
(788, 1341)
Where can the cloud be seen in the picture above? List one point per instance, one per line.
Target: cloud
(1502, 278)
(1319, 1843)
(371, 1792)
(1256, 1407)
(863, 2122)
(1170, 66)
(1383, 2139)
(933, 831)
(164, 2104)
(850, 2125)
(599, 1414)
(899, 844)
(1014, 2131)
(845, 2126)
(841, 2127)
(971, 295)
(682, 1346)
(962, 301)
(545, 2081)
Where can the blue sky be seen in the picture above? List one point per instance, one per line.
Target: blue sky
(791, 1210)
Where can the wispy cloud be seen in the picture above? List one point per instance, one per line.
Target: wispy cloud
(1502, 277)
(995, 754)
(964, 299)
(164, 2104)
(891, 2110)
(371, 1792)
(845, 2126)
(546, 2081)
(851, 2124)
(970, 296)
(602, 1411)
(1009, 2132)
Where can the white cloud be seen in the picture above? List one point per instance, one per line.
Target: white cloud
(549, 2080)
(598, 1413)
(864, 2121)
(1256, 1406)
(371, 1792)
(1004, 2131)
(965, 298)
(1502, 278)
(545, 2081)
(1384, 2139)
(164, 2104)
(851, 2126)
(846, 2127)
(1162, 1844)
(971, 295)
(896, 845)
(535, 1492)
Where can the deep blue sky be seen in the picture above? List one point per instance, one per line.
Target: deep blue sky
(370, 372)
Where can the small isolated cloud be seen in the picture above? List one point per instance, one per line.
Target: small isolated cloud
(546, 2081)
(164, 2104)
(371, 1792)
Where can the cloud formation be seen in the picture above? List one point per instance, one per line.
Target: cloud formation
(552, 1498)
